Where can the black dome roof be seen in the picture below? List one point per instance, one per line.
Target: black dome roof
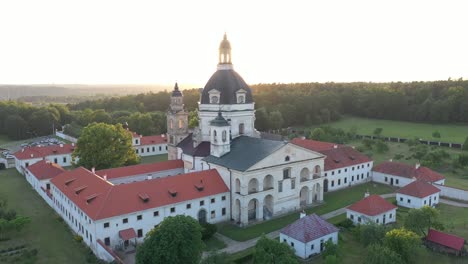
(227, 82)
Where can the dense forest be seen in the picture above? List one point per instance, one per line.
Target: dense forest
(278, 105)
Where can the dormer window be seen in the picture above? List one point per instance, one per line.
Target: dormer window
(214, 96)
(241, 96)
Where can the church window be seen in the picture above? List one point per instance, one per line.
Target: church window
(171, 124)
(214, 99)
(224, 135)
(181, 123)
(287, 173)
(215, 138)
(287, 158)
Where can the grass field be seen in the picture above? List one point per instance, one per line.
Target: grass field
(45, 233)
(333, 201)
(4, 139)
(449, 132)
(152, 159)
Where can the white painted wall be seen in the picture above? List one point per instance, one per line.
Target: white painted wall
(306, 250)
(348, 176)
(454, 193)
(39, 186)
(390, 217)
(387, 179)
(416, 202)
(150, 150)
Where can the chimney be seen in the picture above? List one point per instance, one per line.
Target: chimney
(366, 194)
(335, 146)
(73, 144)
(302, 214)
(391, 160)
(61, 145)
(149, 177)
(418, 165)
(303, 138)
(105, 177)
(32, 155)
(162, 135)
(22, 150)
(93, 170)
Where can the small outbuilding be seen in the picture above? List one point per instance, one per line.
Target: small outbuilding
(372, 208)
(445, 243)
(418, 194)
(308, 235)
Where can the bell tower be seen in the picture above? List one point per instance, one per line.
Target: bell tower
(225, 62)
(177, 122)
(220, 139)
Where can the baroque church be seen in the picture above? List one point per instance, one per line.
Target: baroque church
(266, 178)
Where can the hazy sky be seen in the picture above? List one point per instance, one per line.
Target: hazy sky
(135, 41)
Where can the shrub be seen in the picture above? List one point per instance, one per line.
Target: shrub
(78, 238)
(381, 146)
(463, 159)
(398, 156)
(436, 134)
(208, 230)
(347, 223)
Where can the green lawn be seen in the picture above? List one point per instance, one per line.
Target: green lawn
(153, 159)
(4, 139)
(213, 244)
(455, 133)
(333, 201)
(51, 238)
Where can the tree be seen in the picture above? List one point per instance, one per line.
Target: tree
(193, 119)
(9, 220)
(371, 233)
(276, 120)
(378, 131)
(436, 134)
(381, 146)
(104, 146)
(262, 123)
(420, 220)
(272, 251)
(465, 144)
(16, 127)
(176, 240)
(378, 254)
(331, 249)
(402, 241)
(318, 134)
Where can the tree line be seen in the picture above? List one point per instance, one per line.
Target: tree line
(278, 106)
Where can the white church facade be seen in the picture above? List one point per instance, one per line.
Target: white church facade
(265, 177)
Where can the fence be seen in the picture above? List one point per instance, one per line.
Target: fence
(426, 142)
(454, 193)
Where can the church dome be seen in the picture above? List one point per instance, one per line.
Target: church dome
(227, 83)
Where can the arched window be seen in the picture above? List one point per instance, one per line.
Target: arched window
(241, 128)
(287, 158)
(215, 137)
(171, 124)
(181, 123)
(224, 135)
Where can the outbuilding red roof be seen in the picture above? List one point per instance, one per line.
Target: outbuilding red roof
(419, 189)
(315, 145)
(141, 169)
(153, 140)
(309, 228)
(372, 205)
(408, 171)
(337, 156)
(101, 199)
(44, 151)
(43, 170)
(445, 239)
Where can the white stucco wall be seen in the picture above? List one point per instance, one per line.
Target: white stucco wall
(348, 176)
(387, 179)
(416, 202)
(150, 150)
(306, 250)
(390, 217)
(454, 193)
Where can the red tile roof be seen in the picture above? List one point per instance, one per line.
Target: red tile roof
(339, 157)
(445, 239)
(408, 171)
(101, 199)
(45, 170)
(419, 189)
(315, 145)
(153, 140)
(372, 205)
(127, 234)
(41, 152)
(309, 228)
(141, 169)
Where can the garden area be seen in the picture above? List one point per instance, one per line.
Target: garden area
(332, 201)
(46, 238)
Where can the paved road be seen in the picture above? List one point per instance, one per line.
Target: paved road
(233, 246)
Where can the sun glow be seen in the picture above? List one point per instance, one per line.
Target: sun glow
(97, 41)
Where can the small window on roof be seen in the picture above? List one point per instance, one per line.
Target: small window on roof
(287, 158)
